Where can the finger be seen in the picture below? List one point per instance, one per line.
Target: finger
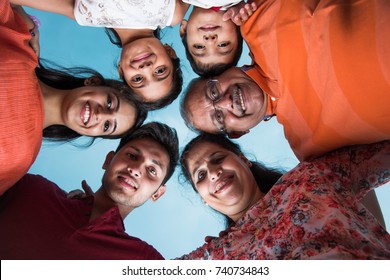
(248, 9)
(208, 238)
(228, 15)
(75, 194)
(87, 189)
(254, 6)
(243, 14)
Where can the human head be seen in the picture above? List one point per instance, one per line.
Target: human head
(212, 45)
(83, 84)
(214, 156)
(151, 69)
(141, 165)
(240, 105)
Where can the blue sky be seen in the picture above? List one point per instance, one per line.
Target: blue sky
(178, 222)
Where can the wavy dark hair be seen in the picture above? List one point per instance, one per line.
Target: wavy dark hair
(162, 134)
(265, 177)
(210, 69)
(177, 75)
(70, 78)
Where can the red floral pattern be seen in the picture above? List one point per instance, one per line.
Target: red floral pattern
(313, 212)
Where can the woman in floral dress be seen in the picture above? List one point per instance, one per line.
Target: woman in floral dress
(311, 212)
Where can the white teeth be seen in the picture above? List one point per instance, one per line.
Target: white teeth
(87, 113)
(131, 183)
(241, 100)
(219, 186)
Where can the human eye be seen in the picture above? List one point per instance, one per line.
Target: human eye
(219, 117)
(131, 156)
(213, 91)
(161, 70)
(223, 44)
(106, 126)
(198, 47)
(109, 102)
(137, 79)
(201, 176)
(219, 159)
(152, 171)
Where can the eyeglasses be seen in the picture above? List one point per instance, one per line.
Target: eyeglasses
(214, 93)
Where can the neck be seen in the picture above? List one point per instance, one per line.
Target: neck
(103, 203)
(52, 101)
(129, 35)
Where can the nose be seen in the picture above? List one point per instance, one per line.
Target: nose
(210, 37)
(145, 64)
(215, 173)
(225, 102)
(134, 171)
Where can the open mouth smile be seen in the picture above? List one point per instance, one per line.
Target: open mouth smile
(86, 114)
(238, 101)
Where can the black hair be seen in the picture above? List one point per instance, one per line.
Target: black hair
(265, 177)
(70, 78)
(177, 75)
(162, 134)
(210, 69)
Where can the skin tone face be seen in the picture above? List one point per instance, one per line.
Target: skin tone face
(135, 173)
(242, 104)
(223, 179)
(147, 68)
(209, 38)
(97, 111)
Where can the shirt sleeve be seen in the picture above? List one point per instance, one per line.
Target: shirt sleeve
(366, 166)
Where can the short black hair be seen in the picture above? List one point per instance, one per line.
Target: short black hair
(210, 69)
(162, 134)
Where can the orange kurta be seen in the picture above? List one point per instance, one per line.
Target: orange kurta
(326, 68)
(21, 108)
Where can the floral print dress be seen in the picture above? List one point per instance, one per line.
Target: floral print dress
(313, 212)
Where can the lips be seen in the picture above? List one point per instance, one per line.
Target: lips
(209, 27)
(223, 184)
(239, 101)
(141, 57)
(85, 114)
(128, 182)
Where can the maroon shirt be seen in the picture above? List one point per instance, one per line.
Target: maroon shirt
(38, 221)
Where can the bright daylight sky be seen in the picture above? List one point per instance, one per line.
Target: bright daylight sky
(178, 222)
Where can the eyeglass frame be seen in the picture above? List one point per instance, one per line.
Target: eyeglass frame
(217, 86)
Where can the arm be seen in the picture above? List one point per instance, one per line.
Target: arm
(365, 166)
(63, 7)
(32, 27)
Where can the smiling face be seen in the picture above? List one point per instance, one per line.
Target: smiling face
(97, 111)
(147, 68)
(223, 179)
(240, 106)
(135, 172)
(209, 38)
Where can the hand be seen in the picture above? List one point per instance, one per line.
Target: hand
(239, 13)
(79, 194)
(223, 233)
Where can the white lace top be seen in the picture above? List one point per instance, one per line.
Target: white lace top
(135, 14)
(207, 4)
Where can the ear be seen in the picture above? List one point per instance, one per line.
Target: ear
(120, 71)
(247, 161)
(170, 51)
(93, 81)
(108, 159)
(161, 190)
(236, 134)
(183, 28)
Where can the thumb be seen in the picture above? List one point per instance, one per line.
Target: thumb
(229, 14)
(87, 189)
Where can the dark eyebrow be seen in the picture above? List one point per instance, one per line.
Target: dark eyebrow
(157, 163)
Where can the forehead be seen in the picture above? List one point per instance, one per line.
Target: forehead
(125, 117)
(200, 108)
(201, 152)
(150, 149)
